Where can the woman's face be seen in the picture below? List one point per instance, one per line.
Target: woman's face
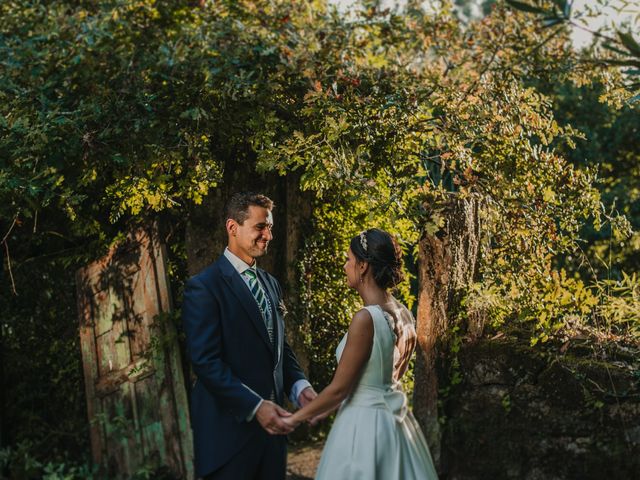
(351, 269)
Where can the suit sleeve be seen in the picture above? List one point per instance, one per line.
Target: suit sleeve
(201, 318)
(291, 368)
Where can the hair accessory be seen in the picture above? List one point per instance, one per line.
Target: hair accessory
(363, 241)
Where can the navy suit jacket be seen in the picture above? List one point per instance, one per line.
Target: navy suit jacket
(235, 363)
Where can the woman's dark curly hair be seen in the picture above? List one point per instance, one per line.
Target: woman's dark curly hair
(383, 254)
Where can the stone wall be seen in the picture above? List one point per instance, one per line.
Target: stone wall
(526, 413)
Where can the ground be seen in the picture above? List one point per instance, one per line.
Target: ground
(303, 461)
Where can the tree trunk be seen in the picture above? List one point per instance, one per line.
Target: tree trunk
(447, 266)
(298, 217)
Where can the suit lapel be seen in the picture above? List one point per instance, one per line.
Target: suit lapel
(245, 297)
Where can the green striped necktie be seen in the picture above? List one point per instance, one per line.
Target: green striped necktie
(261, 298)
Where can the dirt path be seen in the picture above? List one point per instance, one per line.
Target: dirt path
(302, 461)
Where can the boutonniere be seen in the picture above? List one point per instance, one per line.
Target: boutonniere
(283, 308)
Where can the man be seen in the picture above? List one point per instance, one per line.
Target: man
(235, 338)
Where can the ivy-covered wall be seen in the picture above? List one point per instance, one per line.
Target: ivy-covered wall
(540, 414)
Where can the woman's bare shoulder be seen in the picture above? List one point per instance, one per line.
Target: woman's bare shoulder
(361, 319)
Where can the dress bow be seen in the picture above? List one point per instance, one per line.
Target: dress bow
(396, 402)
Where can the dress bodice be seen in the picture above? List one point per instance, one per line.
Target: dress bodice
(379, 369)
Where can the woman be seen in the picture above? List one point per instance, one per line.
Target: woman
(374, 436)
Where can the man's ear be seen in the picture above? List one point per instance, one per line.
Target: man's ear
(232, 227)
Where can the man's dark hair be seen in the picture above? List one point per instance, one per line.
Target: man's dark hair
(237, 206)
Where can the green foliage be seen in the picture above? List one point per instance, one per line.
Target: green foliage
(464, 119)
(19, 463)
(384, 106)
(609, 143)
(623, 44)
(619, 307)
(561, 306)
(488, 299)
(100, 113)
(506, 403)
(43, 402)
(556, 301)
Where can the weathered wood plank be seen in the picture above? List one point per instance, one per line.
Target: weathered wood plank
(136, 397)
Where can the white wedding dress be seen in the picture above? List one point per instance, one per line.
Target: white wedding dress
(375, 436)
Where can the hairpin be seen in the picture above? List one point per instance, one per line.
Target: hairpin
(363, 241)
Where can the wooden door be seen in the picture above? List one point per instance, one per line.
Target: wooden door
(136, 397)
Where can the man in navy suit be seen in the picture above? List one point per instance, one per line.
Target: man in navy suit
(233, 319)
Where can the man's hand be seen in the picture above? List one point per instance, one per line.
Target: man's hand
(269, 416)
(306, 396)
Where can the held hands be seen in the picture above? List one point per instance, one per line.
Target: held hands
(272, 418)
(277, 421)
(291, 422)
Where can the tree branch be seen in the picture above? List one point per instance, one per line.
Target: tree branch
(13, 283)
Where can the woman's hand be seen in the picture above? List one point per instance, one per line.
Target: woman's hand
(292, 422)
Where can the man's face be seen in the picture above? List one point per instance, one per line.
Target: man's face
(251, 239)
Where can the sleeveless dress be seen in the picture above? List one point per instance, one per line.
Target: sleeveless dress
(375, 436)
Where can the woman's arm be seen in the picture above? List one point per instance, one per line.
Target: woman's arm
(354, 357)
